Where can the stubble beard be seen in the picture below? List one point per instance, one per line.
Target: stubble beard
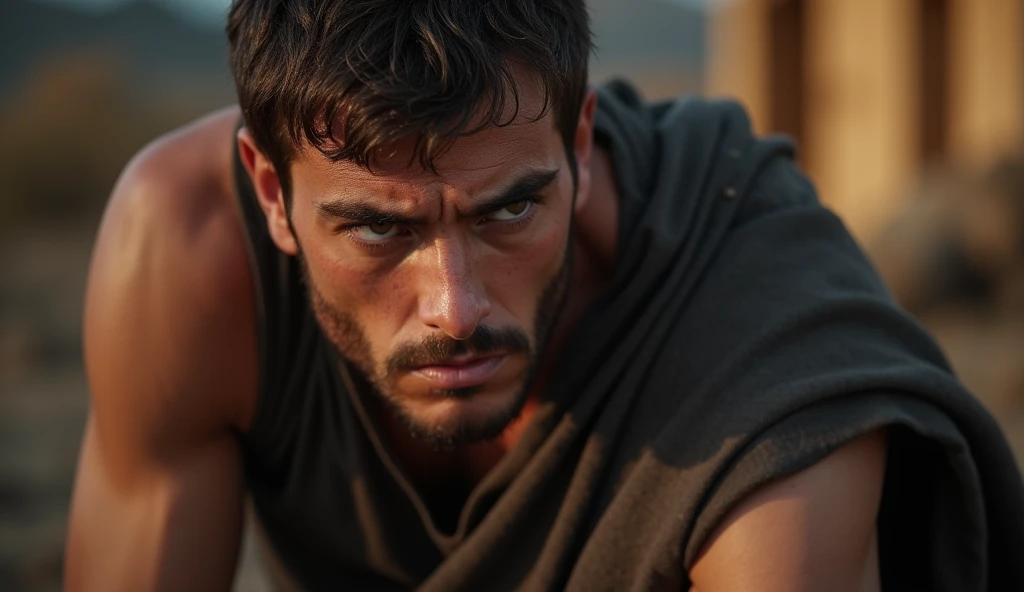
(347, 336)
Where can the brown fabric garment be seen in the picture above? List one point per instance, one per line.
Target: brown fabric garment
(743, 338)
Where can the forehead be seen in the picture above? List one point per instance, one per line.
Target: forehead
(529, 140)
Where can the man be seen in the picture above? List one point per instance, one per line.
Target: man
(455, 320)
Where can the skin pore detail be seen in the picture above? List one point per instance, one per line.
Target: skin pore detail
(442, 288)
(430, 356)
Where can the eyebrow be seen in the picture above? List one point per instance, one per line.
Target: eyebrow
(523, 187)
(520, 189)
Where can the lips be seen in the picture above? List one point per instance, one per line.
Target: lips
(460, 372)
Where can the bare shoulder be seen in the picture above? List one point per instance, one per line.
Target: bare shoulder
(185, 174)
(814, 530)
(169, 314)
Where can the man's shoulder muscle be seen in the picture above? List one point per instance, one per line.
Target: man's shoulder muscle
(169, 315)
(170, 355)
(814, 530)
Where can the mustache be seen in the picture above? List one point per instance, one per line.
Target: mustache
(436, 349)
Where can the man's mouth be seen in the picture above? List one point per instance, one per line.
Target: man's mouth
(462, 371)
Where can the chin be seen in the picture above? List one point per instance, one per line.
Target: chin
(451, 419)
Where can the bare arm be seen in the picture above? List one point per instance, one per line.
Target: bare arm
(170, 358)
(812, 531)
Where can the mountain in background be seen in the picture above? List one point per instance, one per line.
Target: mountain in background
(158, 50)
(660, 47)
(637, 31)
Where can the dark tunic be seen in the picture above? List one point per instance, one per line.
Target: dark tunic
(744, 336)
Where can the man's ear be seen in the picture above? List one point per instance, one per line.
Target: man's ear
(583, 148)
(268, 192)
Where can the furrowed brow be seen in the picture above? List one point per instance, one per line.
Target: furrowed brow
(360, 213)
(523, 187)
(520, 189)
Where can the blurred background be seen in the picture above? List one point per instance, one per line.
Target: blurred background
(909, 114)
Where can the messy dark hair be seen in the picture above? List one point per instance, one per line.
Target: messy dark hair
(351, 76)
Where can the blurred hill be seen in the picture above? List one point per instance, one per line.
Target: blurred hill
(659, 45)
(158, 49)
(639, 31)
(81, 92)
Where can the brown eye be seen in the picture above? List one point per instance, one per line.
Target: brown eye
(512, 211)
(517, 208)
(378, 232)
(380, 228)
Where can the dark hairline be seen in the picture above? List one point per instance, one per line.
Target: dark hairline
(348, 77)
(300, 141)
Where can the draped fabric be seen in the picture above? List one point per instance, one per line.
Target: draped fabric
(743, 337)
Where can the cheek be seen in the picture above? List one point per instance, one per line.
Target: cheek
(517, 278)
(376, 300)
(343, 280)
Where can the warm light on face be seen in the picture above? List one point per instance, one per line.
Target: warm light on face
(442, 288)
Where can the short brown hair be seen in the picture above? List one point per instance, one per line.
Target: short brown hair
(381, 70)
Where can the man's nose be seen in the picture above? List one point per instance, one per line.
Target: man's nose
(452, 295)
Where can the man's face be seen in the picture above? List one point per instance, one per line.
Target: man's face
(441, 288)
